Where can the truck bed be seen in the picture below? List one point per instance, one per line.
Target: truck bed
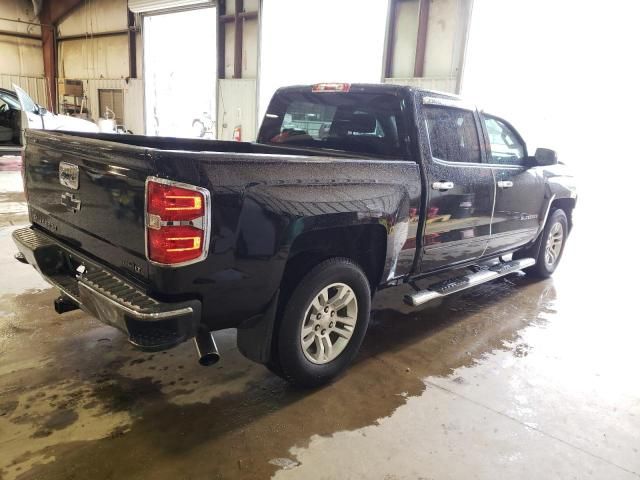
(261, 200)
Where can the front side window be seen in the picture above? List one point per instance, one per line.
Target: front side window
(453, 134)
(506, 146)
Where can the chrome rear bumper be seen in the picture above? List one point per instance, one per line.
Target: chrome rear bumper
(149, 323)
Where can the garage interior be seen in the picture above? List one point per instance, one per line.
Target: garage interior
(519, 378)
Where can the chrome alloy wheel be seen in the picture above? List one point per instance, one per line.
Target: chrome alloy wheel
(554, 244)
(329, 323)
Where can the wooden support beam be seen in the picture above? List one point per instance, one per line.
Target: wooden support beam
(133, 57)
(421, 41)
(221, 39)
(237, 49)
(52, 12)
(238, 17)
(391, 39)
(50, 60)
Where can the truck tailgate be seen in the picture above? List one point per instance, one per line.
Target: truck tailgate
(90, 194)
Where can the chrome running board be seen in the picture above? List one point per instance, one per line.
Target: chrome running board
(457, 284)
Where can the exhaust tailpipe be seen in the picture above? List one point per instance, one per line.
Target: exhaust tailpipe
(206, 348)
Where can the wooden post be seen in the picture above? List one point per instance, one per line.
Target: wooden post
(221, 37)
(390, 41)
(421, 42)
(237, 50)
(131, 26)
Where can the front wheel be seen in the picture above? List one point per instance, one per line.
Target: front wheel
(552, 241)
(323, 323)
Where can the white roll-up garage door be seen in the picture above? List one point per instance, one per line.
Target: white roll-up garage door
(145, 6)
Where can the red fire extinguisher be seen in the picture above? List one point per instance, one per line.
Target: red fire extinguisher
(237, 134)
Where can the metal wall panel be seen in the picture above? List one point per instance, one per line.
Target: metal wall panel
(133, 100)
(447, 32)
(18, 9)
(20, 56)
(404, 41)
(36, 87)
(237, 106)
(446, 37)
(95, 16)
(102, 57)
(134, 106)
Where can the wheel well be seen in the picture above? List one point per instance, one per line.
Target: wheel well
(567, 205)
(364, 244)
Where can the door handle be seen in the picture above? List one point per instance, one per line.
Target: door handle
(505, 184)
(442, 186)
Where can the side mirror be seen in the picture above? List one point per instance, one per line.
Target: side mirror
(545, 157)
(40, 110)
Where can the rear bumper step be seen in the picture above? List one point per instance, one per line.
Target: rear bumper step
(149, 323)
(457, 284)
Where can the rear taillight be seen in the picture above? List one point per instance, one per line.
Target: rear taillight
(177, 222)
(172, 203)
(172, 245)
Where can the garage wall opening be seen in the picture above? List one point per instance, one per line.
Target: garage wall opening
(335, 41)
(180, 73)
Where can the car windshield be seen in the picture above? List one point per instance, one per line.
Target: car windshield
(10, 100)
(366, 123)
(28, 105)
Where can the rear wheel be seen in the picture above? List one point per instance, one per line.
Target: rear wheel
(551, 245)
(323, 323)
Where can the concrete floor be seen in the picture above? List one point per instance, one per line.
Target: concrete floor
(515, 379)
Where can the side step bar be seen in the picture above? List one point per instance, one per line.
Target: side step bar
(457, 284)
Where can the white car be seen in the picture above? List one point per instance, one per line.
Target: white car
(13, 105)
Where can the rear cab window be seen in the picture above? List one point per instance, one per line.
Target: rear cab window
(369, 123)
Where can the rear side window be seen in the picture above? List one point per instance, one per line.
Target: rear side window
(366, 123)
(453, 134)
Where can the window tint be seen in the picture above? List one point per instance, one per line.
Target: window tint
(506, 147)
(365, 123)
(453, 134)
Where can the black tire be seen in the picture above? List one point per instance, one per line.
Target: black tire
(542, 268)
(289, 360)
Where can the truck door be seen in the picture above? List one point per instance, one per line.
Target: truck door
(460, 188)
(519, 189)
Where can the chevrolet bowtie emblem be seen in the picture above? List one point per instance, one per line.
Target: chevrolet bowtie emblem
(70, 201)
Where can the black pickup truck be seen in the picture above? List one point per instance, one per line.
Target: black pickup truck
(349, 189)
